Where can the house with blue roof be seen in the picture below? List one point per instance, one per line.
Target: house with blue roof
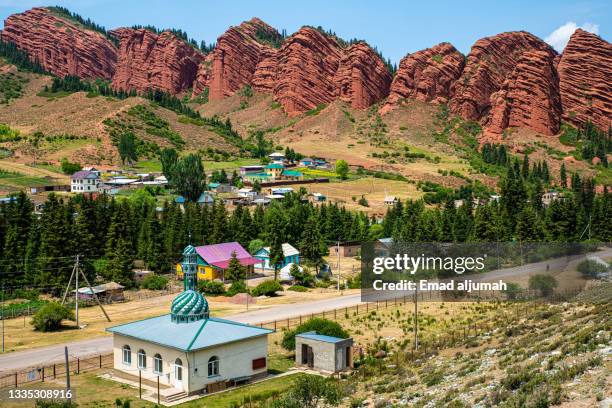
(187, 350)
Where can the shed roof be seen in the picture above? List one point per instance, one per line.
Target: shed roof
(321, 337)
(189, 336)
(288, 249)
(275, 166)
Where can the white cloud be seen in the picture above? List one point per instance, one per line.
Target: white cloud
(558, 39)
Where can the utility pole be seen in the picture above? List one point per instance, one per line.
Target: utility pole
(338, 262)
(3, 315)
(416, 320)
(76, 295)
(68, 392)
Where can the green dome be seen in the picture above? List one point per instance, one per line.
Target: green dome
(189, 306)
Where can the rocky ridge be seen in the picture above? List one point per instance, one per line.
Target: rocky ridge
(154, 61)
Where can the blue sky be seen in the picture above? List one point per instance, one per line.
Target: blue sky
(395, 27)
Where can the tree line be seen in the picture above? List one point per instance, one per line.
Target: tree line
(38, 250)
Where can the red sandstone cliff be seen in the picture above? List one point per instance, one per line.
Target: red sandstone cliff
(148, 60)
(62, 46)
(529, 98)
(362, 78)
(264, 77)
(426, 76)
(236, 57)
(307, 63)
(585, 74)
(489, 63)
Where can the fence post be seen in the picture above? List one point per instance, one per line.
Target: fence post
(275, 325)
(300, 319)
(54, 371)
(287, 323)
(42, 375)
(100, 360)
(335, 314)
(15, 380)
(78, 366)
(367, 307)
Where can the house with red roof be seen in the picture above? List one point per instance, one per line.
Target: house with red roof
(214, 259)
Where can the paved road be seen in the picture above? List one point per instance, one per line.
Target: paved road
(102, 345)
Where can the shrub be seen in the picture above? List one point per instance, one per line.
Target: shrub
(237, 287)
(310, 391)
(317, 324)
(298, 288)
(546, 284)
(512, 291)
(68, 167)
(211, 287)
(590, 268)
(267, 288)
(301, 278)
(50, 316)
(154, 282)
(363, 202)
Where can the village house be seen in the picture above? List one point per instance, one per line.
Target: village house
(188, 351)
(345, 249)
(277, 157)
(106, 292)
(84, 181)
(213, 260)
(390, 200)
(290, 254)
(204, 199)
(244, 170)
(220, 187)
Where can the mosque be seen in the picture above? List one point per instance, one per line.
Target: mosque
(189, 351)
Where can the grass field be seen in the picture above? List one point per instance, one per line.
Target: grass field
(373, 189)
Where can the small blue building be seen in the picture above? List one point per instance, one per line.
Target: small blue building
(291, 255)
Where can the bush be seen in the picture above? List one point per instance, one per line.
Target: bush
(317, 324)
(311, 391)
(297, 288)
(267, 288)
(68, 167)
(211, 287)
(546, 284)
(590, 268)
(237, 287)
(512, 291)
(50, 316)
(154, 282)
(303, 278)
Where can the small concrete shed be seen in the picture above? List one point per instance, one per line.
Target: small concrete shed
(323, 353)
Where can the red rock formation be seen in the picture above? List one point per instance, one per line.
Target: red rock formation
(202, 80)
(529, 98)
(362, 78)
(426, 75)
(62, 46)
(151, 61)
(236, 56)
(264, 77)
(585, 74)
(307, 63)
(489, 63)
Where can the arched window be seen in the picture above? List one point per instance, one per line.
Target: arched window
(178, 369)
(142, 359)
(127, 355)
(158, 367)
(213, 366)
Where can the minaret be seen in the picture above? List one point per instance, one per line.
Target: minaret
(189, 305)
(190, 268)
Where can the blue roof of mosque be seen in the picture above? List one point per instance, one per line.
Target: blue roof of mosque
(188, 336)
